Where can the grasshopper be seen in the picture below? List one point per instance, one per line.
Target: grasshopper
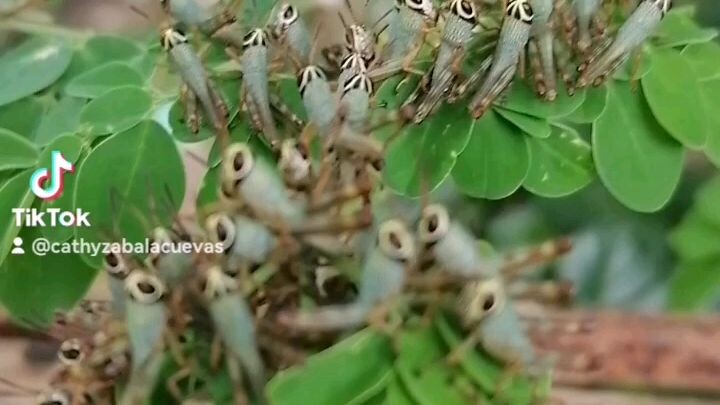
(317, 98)
(172, 267)
(235, 324)
(254, 65)
(383, 277)
(198, 86)
(542, 48)
(146, 317)
(412, 21)
(290, 28)
(586, 12)
(117, 269)
(295, 164)
(356, 100)
(243, 239)
(456, 35)
(610, 55)
(514, 36)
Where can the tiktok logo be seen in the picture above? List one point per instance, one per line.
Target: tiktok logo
(48, 184)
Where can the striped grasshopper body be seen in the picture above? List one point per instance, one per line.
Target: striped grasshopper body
(636, 29)
(291, 29)
(456, 35)
(356, 101)
(172, 267)
(383, 276)
(514, 36)
(117, 270)
(318, 98)
(542, 38)
(585, 12)
(193, 74)
(485, 307)
(351, 65)
(258, 184)
(413, 17)
(254, 65)
(235, 325)
(244, 240)
(146, 318)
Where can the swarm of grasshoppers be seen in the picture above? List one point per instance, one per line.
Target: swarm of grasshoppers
(293, 219)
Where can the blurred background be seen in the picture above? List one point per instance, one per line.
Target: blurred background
(621, 259)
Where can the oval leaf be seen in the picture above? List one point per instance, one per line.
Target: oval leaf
(31, 67)
(423, 155)
(635, 158)
(16, 152)
(532, 126)
(21, 116)
(495, 161)
(116, 110)
(522, 98)
(679, 28)
(703, 58)
(137, 166)
(591, 108)
(14, 194)
(99, 80)
(559, 165)
(61, 118)
(673, 95)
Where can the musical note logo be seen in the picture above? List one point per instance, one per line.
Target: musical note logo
(48, 184)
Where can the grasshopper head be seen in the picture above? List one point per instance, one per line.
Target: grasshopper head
(144, 288)
(294, 161)
(217, 284)
(520, 10)
(286, 16)
(237, 164)
(307, 75)
(465, 9)
(482, 298)
(57, 397)
(358, 81)
(356, 62)
(71, 352)
(434, 224)
(663, 5)
(115, 265)
(255, 37)
(171, 37)
(424, 7)
(221, 229)
(395, 241)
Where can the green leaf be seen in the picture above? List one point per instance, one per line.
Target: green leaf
(99, 80)
(101, 49)
(209, 187)
(495, 161)
(559, 165)
(33, 287)
(673, 94)
(636, 160)
(423, 155)
(522, 99)
(16, 152)
(679, 28)
(15, 193)
(695, 239)
(703, 58)
(138, 166)
(695, 286)
(709, 90)
(364, 358)
(71, 147)
(116, 110)
(532, 126)
(31, 67)
(61, 118)
(21, 116)
(397, 393)
(289, 93)
(591, 108)
(636, 67)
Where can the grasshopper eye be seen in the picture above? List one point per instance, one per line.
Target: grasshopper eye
(221, 229)
(237, 164)
(434, 224)
(70, 352)
(54, 398)
(464, 9)
(115, 265)
(144, 288)
(520, 10)
(395, 240)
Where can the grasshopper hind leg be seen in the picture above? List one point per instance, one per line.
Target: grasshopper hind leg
(218, 100)
(190, 103)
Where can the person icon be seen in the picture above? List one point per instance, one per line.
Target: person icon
(17, 249)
